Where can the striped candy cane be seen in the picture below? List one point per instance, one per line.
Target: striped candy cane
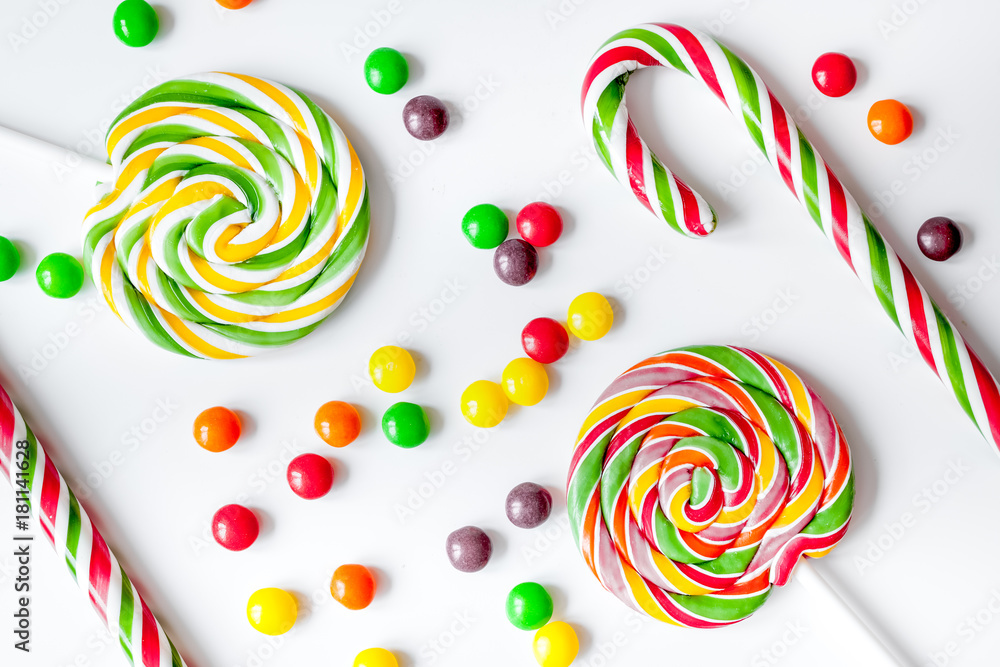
(802, 169)
(38, 484)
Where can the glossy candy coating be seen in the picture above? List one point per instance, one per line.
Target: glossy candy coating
(234, 4)
(834, 74)
(217, 429)
(10, 259)
(406, 425)
(469, 549)
(484, 404)
(136, 22)
(310, 476)
(528, 505)
(939, 238)
(485, 226)
(386, 70)
(544, 340)
(353, 586)
(890, 121)
(235, 527)
(60, 275)
(425, 117)
(590, 316)
(515, 262)
(529, 606)
(556, 645)
(539, 224)
(272, 611)
(337, 423)
(392, 369)
(376, 657)
(524, 381)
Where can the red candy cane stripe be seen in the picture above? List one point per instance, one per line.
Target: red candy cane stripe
(803, 171)
(69, 529)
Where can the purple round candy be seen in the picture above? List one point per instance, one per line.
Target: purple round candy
(425, 117)
(528, 505)
(469, 549)
(939, 238)
(515, 262)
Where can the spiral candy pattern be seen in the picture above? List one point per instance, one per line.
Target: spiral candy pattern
(803, 171)
(700, 477)
(237, 219)
(68, 528)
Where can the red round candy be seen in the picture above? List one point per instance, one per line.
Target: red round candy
(539, 224)
(545, 340)
(235, 527)
(310, 476)
(834, 74)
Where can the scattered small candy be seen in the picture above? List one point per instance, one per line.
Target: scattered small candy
(392, 369)
(484, 404)
(556, 645)
(272, 611)
(525, 381)
(386, 70)
(136, 23)
(528, 505)
(544, 340)
(59, 275)
(406, 425)
(217, 429)
(834, 74)
(234, 4)
(939, 238)
(235, 527)
(515, 262)
(10, 259)
(529, 606)
(590, 316)
(890, 121)
(539, 224)
(425, 117)
(353, 586)
(469, 549)
(485, 226)
(376, 657)
(310, 476)
(337, 423)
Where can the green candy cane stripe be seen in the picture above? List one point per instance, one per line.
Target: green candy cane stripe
(237, 220)
(801, 168)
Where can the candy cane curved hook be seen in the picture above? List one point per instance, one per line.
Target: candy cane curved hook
(802, 169)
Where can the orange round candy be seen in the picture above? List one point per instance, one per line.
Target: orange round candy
(353, 586)
(338, 423)
(890, 121)
(234, 4)
(217, 429)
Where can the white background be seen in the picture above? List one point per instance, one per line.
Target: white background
(520, 136)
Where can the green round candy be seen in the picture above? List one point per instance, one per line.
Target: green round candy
(485, 226)
(529, 606)
(10, 259)
(59, 275)
(386, 70)
(136, 22)
(406, 424)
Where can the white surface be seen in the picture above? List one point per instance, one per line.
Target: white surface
(927, 583)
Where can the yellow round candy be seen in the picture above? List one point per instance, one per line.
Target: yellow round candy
(556, 645)
(392, 369)
(375, 657)
(525, 381)
(484, 404)
(590, 316)
(272, 611)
